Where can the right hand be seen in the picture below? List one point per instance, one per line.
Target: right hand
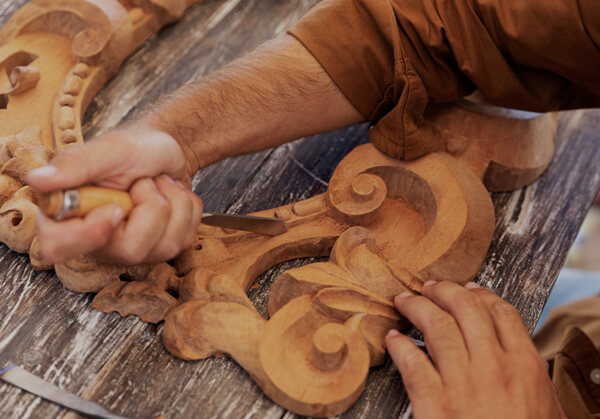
(152, 166)
(483, 362)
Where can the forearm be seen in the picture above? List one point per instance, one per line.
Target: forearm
(274, 95)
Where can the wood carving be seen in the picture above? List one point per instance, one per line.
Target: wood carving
(54, 57)
(386, 225)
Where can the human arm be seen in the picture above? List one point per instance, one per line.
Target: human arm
(276, 94)
(483, 361)
(272, 96)
(390, 59)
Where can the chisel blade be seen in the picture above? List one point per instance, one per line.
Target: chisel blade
(18, 377)
(261, 225)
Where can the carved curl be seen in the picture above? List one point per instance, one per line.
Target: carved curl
(315, 366)
(17, 220)
(357, 199)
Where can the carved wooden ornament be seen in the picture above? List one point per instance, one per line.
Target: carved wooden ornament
(387, 225)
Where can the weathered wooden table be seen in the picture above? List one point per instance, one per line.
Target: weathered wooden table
(121, 362)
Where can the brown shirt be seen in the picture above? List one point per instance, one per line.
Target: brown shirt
(391, 58)
(570, 341)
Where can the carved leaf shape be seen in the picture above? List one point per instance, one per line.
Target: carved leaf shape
(150, 303)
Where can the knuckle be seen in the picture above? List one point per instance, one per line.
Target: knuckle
(496, 371)
(415, 373)
(167, 250)
(100, 235)
(526, 372)
(162, 205)
(470, 302)
(76, 151)
(503, 309)
(437, 288)
(415, 359)
(189, 197)
(189, 240)
(484, 292)
(441, 321)
(142, 188)
(146, 183)
(197, 201)
(187, 205)
(449, 409)
(408, 303)
(444, 285)
(133, 255)
(530, 361)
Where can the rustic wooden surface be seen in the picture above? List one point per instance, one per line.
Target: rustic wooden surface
(122, 364)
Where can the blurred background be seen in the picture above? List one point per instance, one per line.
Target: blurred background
(580, 277)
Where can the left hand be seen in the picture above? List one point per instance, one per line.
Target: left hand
(483, 361)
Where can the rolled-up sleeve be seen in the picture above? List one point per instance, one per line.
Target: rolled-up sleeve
(392, 58)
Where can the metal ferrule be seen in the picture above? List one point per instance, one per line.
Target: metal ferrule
(70, 204)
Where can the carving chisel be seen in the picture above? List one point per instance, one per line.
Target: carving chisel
(20, 378)
(61, 205)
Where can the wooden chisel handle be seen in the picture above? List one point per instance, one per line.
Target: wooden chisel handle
(78, 202)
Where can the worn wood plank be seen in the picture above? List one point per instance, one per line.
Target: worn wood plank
(122, 363)
(535, 226)
(7, 8)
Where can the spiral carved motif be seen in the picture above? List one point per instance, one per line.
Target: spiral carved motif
(356, 202)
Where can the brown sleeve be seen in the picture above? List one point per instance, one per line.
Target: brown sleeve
(391, 58)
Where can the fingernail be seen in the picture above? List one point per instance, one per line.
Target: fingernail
(178, 183)
(392, 332)
(430, 283)
(404, 294)
(471, 285)
(44, 171)
(167, 178)
(117, 216)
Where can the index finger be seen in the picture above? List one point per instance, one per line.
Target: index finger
(443, 338)
(77, 165)
(113, 160)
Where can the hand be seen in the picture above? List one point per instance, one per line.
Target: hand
(148, 163)
(484, 363)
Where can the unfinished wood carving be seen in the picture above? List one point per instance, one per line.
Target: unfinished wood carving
(54, 57)
(386, 225)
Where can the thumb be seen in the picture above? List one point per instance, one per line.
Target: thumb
(76, 166)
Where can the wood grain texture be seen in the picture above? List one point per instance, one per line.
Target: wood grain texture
(123, 364)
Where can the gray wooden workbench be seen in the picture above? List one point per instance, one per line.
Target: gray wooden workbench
(121, 362)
